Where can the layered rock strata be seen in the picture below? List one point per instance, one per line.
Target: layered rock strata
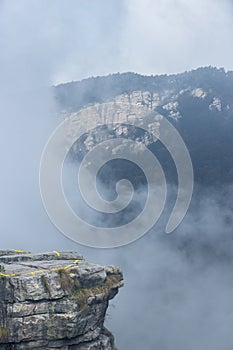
(55, 300)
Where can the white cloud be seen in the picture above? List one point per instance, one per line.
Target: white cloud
(169, 36)
(76, 39)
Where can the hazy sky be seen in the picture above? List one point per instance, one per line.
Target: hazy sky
(74, 39)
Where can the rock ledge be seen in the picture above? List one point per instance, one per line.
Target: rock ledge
(54, 300)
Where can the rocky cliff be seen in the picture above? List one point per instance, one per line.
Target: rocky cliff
(54, 300)
(199, 104)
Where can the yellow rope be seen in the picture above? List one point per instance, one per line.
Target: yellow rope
(68, 266)
(34, 272)
(5, 275)
(19, 251)
(40, 271)
(57, 253)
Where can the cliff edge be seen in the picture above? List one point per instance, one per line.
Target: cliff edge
(54, 300)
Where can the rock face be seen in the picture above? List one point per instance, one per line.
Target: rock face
(125, 117)
(54, 300)
(199, 104)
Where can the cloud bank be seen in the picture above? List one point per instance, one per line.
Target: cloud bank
(77, 39)
(171, 36)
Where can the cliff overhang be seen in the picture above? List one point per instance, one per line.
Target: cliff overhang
(54, 300)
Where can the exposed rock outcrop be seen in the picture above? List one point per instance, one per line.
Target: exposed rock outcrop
(198, 103)
(54, 301)
(127, 116)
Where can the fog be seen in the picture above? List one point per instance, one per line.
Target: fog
(175, 35)
(178, 291)
(178, 288)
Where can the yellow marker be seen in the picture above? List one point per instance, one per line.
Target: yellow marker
(75, 261)
(57, 253)
(19, 251)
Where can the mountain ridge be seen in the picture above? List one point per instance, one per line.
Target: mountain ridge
(198, 103)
